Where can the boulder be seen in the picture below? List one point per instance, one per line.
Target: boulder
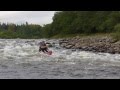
(95, 44)
(68, 46)
(63, 45)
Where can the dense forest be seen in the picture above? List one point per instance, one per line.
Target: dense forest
(20, 31)
(66, 23)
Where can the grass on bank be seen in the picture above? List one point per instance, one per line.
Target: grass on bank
(82, 35)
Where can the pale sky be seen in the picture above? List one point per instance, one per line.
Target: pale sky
(34, 17)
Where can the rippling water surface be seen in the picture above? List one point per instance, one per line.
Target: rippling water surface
(20, 59)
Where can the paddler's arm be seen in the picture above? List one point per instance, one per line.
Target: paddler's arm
(47, 47)
(39, 49)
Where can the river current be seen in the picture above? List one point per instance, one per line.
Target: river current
(20, 59)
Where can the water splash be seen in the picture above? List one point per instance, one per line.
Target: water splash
(28, 49)
(20, 59)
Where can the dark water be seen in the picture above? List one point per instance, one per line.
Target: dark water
(20, 59)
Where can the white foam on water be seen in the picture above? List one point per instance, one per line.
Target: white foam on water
(20, 49)
(83, 56)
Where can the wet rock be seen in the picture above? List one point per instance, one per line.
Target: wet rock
(69, 46)
(73, 49)
(49, 44)
(61, 42)
(30, 41)
(53, 43)
(57, 47)
(95, 44)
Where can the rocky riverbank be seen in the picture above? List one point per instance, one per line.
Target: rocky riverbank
(104, 44)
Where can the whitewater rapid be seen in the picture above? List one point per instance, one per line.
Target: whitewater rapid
(19, 58)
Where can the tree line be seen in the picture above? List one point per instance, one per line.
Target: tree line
(66, 23)
(20, 31)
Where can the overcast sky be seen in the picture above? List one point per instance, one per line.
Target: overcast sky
(34, 17)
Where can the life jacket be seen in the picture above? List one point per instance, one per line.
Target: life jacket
(42, 45)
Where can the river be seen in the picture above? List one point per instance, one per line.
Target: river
(20, 59)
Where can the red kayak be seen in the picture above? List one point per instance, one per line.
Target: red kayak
(49, 53)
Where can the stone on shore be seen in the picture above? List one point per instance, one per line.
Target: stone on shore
(96, 44)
